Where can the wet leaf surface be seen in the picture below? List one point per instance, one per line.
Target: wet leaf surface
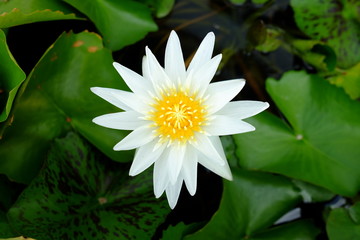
(80, 194)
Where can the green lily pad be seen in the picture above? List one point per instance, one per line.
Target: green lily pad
(298, 230)
(334, 22)
(82, 195)
(179, 231)
(9, 191)
(344, 223)
(311, 51)
(243, 212)
(348, 79)
(5, 228)
(18, 12)
(320, 144)
(313, 193)
(11, 78)
(56, 98)
(161, 8)
(121, 23)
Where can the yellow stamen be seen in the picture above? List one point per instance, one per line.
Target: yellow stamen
(184, 115)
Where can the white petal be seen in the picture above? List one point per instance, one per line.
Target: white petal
(177, 153)
(156, 73)
(204, 145)
(173, 192)
(145, 156)
(122, 120)
(145, 69)
(174, 61)
(223, 125)
(161, 174)
(243, 109)
(220, 93)
(204, 52)
(122, 99)
(189, 170)
(221, 170)
(136, 83)
(136, 138)
(108, 95)
(203, 75)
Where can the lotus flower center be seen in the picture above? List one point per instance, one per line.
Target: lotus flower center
(178, 116)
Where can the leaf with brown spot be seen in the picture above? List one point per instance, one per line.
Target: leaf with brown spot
(90, 197)
(334, 22)
(56, 97)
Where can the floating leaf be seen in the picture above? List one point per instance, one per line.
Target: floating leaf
(348, 79)
(120, 22)
(313, 193)
(82, 195)
(313, 52)
(273, 40)
(321, 144)
(164, 7)
(5, 229)
(333, 22)
(160, 7)
(17, 238)
(243, 212)
(9, 192)
(179, 231)
(298, 230)
(57, 98)
(11, 78)
(17, 12)
(344, 224)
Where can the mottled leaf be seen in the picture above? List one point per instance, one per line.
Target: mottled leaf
(298, 230)
(5, 229)
(9, 191)
(311, 51)
(82, 195)
(348, 79)
(179, 231)
(56, 98)
(344, 224)
(120, 22)
(333, 22)
(17, 12)
(243, 212)
(17, 238)
(11, 77)
(320, 144)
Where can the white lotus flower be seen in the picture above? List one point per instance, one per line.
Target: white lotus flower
(177, 116)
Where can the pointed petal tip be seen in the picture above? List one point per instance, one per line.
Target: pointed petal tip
(115, 148)
(158, 194)
(94, 89)
(133, 172)
(266, 105)
(172, 205)
(210, 36)
(173, 33)
(192, 191)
